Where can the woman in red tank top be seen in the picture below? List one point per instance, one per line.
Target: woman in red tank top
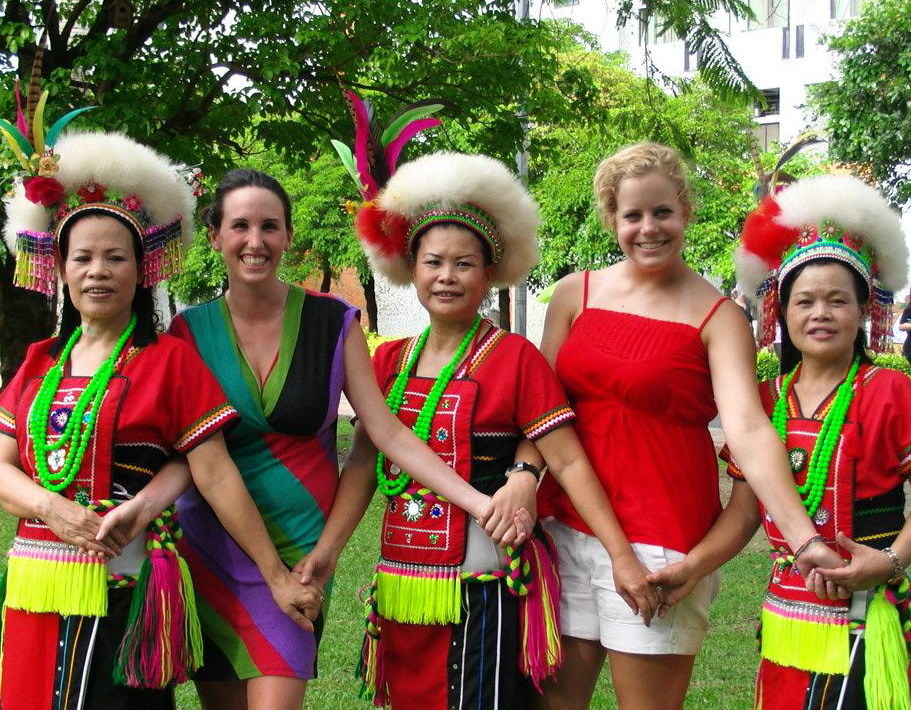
(646, 349)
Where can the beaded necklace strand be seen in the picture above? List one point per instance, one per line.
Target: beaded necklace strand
(394, 486)
(818, 470)
(79, 425)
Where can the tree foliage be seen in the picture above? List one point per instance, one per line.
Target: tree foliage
(711, 133)
(866, 109)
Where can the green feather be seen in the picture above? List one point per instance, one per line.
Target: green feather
(344, 152)
(21, 141)
(54, 133)
(16, 141)
(399, 123)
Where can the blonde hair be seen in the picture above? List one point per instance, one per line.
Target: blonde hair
(636, 161)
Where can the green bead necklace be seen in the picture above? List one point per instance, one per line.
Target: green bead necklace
(818, 470)
(79, 425)
(394, 486)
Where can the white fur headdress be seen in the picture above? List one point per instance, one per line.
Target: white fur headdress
(474, 191)
(107, 174)
(833, 217)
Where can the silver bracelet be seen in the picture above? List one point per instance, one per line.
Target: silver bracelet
(898, 569)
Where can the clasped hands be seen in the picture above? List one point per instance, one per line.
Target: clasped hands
(106, 536)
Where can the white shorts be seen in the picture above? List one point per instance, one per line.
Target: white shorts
(591, 609)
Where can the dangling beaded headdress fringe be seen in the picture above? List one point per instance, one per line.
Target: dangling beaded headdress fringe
(99, 173)
(830, 216)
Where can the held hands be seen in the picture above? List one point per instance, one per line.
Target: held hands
(511, 513)
(317, 567)
(631, 582)
(820, 556)
(302, 602)
(77, 525)
(122, 524)
(867, 568)
(673, 583)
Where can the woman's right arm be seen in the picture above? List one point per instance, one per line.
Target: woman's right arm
(220, 483)
(561, 311)
(355, 491)
(21, 496)
(394, 438)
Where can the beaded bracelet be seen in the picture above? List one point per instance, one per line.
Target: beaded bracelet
(898, 569)
(803, 548)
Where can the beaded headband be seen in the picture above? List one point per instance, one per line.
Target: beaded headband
(464, 215)
(92, 173)
(827, 217)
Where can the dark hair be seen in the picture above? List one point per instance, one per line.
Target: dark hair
(790, 355)
(148, 321)
(244, 177)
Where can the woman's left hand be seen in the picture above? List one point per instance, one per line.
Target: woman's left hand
(673, 582)
(120, 526)
(501, 519)
(867, 568)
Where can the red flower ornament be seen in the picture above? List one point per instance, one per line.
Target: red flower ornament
(43, 190)
(91, 192)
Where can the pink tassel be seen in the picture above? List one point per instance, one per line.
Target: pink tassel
(542, 653)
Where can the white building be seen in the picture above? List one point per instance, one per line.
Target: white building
(781, 52)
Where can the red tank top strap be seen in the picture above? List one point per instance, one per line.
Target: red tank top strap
(585, 289)
(712, 312)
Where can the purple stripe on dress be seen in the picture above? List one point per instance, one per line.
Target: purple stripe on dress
(225, 559)
(337, 373)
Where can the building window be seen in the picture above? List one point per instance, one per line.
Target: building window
(766, 135)
(798, 41)
(769, 13)
(771, 105)
(843, 9)
(785, 42)
(649, 32)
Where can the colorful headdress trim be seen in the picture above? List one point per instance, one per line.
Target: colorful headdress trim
(830, 216)
(465, 215)
(107, 174)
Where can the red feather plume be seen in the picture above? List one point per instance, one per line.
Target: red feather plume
(387, 233)
(764, 236)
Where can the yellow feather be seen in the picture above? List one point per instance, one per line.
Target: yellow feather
(38, 124)
(20, 156)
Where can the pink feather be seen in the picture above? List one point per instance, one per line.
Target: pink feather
(361, 143)
(20, 116)
(408, 132)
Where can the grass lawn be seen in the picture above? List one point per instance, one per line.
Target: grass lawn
(724, 671)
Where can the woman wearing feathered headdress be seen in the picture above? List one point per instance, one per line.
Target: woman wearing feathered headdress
(92, 617)
(823, 254)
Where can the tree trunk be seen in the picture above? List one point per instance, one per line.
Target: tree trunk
(505, 304)
(25, 316)
(369, 285)
(326, 283)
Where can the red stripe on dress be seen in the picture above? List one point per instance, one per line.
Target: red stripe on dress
(224, 602)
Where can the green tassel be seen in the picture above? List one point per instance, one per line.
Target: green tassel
(132, 637)
(807, 645)
(886, 657)
(63, 586)
(194, 628)
(414, 599)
